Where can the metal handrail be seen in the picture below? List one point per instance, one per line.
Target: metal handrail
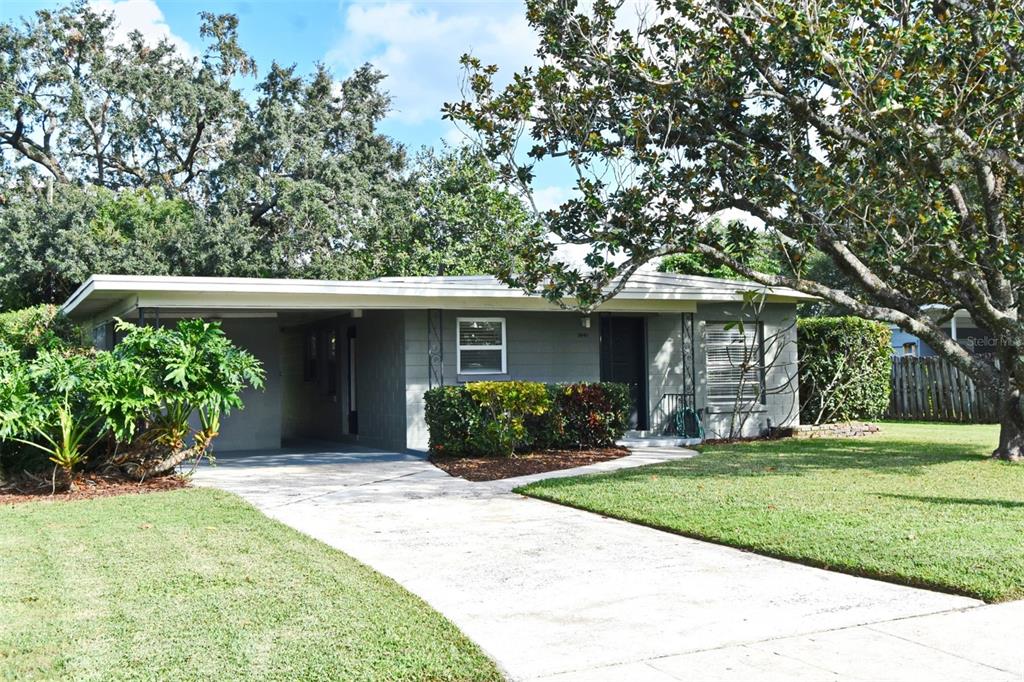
(679, 416)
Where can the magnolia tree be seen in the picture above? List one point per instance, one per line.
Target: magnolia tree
(886, 136)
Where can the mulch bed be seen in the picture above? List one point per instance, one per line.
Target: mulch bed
(88, 486)
(522, 464)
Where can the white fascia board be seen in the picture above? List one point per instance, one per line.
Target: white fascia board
(78, 295)
(264, 301)
(214, 292)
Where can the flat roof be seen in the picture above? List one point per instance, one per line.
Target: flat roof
(644, 291)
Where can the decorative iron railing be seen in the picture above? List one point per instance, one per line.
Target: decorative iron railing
(667, 416)
(435, 348)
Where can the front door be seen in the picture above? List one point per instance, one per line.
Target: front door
(624, 360)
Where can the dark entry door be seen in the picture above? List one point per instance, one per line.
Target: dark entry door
(623, 360)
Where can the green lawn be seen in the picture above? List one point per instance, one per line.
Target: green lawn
(196, 584)
(917, 504)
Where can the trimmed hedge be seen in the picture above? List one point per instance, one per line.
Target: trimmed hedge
(502, 417)
(845, 368)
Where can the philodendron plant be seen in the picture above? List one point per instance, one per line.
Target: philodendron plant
(192, 368)
(136, 401)
(49, 406)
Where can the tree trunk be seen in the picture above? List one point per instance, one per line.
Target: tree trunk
(156, 460)
(175, 458)
(1011, 431)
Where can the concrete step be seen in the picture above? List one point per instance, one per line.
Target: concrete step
(646, 439)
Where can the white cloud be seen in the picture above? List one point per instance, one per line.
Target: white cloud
(546, 198)
(143, 16)
(730, 215)
(419, 46)
(456, 137)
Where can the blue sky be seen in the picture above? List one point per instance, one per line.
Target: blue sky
(417, 44)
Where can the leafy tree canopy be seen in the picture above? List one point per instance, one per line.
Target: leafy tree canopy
(128, 157)
(884, 135)
(760, 253)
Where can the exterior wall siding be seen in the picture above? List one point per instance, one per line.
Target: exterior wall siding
(380, 378)
(551, 347)
(782, 403)
(258, 426)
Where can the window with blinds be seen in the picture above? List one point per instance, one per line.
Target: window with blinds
(481, 345)
(735, 363)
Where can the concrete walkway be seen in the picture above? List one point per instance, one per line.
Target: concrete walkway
(553, 593)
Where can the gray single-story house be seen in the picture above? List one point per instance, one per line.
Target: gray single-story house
(351, 360)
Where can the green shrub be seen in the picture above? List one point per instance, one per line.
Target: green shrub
(501, 417)
(845, 367)
(506, 405)
(591, 414)
(68, 404)
(31, 329)
(452, 419)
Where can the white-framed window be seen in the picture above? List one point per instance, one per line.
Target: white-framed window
(481, 345)
(735, 363)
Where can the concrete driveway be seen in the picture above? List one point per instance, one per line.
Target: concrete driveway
(553, 593)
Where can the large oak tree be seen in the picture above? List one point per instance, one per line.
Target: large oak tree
(885, 134)
(123, 156)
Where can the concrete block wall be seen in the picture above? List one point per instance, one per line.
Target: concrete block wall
(782, 402)
(667, 369)
(550, 347)
(258, 426)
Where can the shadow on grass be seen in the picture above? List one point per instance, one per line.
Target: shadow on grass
(795, 458)
(971, 501)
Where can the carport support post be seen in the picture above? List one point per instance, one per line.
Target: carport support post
(142, 317)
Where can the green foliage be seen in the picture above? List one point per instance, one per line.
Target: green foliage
(845, 368)
(310, 181)
(30, 330)
(54, 244)
(192, 368)
(81, 102)
(52, 405)
(500, 417)
(187, 175)
(761, 253)
(464, 223)
(812, 122)
(590, 414)
(506, 406)
(65, 402)
(452, 419)
(123, 570)
(885, 137)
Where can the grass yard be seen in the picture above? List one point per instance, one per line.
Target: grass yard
(916, 503)
(196, 584)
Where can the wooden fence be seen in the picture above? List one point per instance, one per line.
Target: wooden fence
(933, 389)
